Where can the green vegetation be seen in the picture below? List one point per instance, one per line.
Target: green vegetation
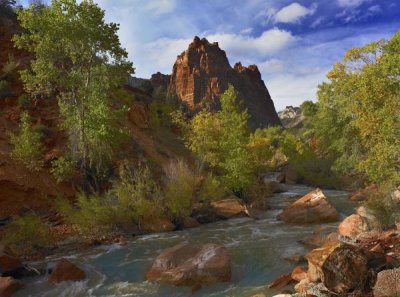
(9, 66)
(357, 120)
(5, 89)
(78, 54)
(27, 146)
(23, 100)
(63, 169)
(147, 87)
(211, 189)
(221, 140)
(26, 233)
(180, 190)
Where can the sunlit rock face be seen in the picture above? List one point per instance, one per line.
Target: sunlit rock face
(202, 73)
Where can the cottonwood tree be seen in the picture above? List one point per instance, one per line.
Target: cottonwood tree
(78, 58)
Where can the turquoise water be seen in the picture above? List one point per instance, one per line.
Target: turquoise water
(257, 249)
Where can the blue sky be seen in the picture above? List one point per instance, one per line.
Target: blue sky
(294, 43)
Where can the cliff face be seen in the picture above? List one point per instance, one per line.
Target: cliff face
(202, 73)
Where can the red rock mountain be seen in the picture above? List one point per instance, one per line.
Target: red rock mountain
(202, 73)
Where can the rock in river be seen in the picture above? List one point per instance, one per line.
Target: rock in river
(188, 265)
(66, 271)
(311, 208)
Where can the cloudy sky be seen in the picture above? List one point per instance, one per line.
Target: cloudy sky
(294, 43)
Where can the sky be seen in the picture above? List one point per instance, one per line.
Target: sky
(294, 43)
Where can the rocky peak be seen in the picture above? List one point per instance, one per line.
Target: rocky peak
(159, 79)
(202, 73)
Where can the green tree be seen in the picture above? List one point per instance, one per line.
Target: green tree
(358, 116)
(222, 141)
(78, 55)
(27, 147)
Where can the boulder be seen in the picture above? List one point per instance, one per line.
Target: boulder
(189, 265)
(158, 224)
(274, 186)
(298, 274)
(8, 286)
(202, 73)
(311, 208)
(353, 225)
(189, 223)
(340, 267)
(10, 265)
(66, 271)
(387, 283)
(363, 194)
(204, 213)
(281, 281)
(319, 237)
(229, 208)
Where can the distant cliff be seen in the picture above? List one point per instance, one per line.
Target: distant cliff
(202, 73)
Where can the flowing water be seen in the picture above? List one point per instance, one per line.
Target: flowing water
(257, 249)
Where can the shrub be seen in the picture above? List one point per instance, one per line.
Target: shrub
(23, 100)
(92, 215)
(124, 96)
(180, 190)
(383, 207)
(138, 197)
(211, 189)
(27, 145)
(9, 66)
(5, 89)
(62, 169)
(134, 198)
(160, 113)
(160, 93)
(27, 232)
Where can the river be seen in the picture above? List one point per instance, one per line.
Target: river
(257, 249)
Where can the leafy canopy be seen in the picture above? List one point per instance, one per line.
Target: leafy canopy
(78, 56)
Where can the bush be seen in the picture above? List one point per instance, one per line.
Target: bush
(180, 190)
(62, 169)
(5, 89)
(160, 113)
(9, 66)
(138, 196)
(211, 189)
(27, 145)
(23, 100)
(92, 215)
(125, 97)
(134, 198)
(26, 233)
(383, 207)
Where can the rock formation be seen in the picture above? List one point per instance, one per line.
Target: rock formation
(202, 73)
(159, 79)
(187, 264)
(291, 117)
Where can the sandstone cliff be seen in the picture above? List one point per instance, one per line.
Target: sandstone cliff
(202, 73)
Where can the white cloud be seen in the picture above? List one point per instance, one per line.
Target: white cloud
(317, 22)
(293, 13)
(267, 43)
(350, 3)
(272, 66)
(246, 31)
(161, 6)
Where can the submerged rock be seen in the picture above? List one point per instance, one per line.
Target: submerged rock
(8, 286)
(281, 281)
(66, 271)
(311, 208)
(189, 265)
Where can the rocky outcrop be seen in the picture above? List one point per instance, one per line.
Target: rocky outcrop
(311, 208)
(8, 286)
(66, 271)
(188, 265)
(202, 73)
(291, 117)
(158, 79)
